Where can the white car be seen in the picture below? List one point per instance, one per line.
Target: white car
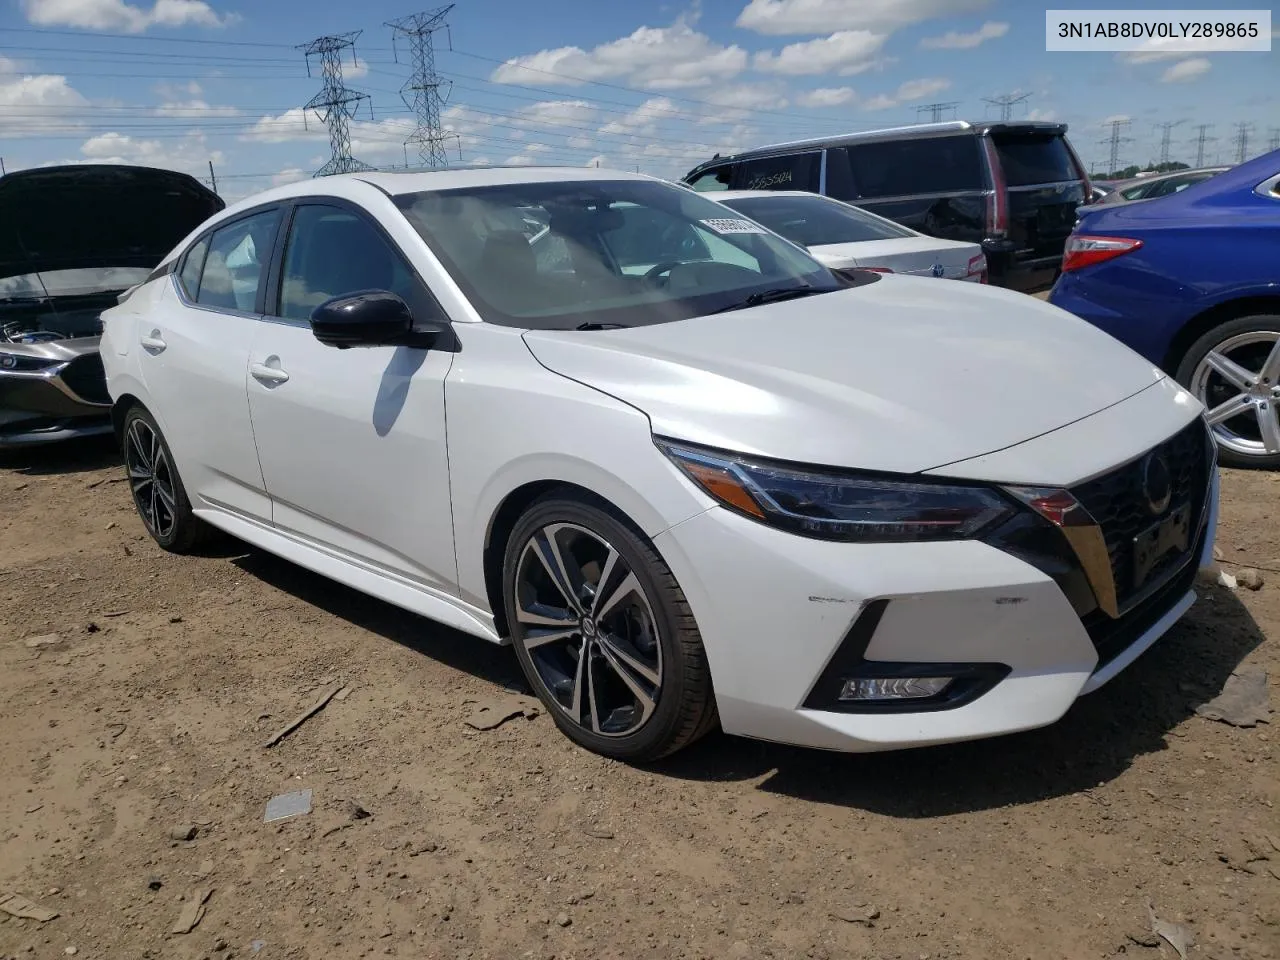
(844, 237)
(688, 472)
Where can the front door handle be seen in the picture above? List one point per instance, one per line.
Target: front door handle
(153, 343)
(268, 375)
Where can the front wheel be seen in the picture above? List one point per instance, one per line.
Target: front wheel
(604, 634)
(1234, 370)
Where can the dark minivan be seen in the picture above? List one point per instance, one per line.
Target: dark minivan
(1013, 187)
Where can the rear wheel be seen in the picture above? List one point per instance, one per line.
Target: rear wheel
(1234, 370)
(157, 490)
(604, 634)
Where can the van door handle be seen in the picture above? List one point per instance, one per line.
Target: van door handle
(267, 375)
(153, 343)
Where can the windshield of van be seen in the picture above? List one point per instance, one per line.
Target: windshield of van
(815, 221)
(560, 254)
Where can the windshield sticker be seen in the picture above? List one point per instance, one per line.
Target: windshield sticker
(725, 225)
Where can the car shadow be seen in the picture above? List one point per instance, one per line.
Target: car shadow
(1097, 740)
(66, 456)
(453, 648)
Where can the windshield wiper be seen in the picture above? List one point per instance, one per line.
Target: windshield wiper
(592, 325)
(770, 296)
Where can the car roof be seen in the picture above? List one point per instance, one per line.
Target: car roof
(907, 132)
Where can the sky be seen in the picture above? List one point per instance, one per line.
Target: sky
(645, 85)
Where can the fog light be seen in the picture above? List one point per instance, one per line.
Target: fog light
(893, 688)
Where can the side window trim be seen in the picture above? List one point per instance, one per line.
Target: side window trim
(207, 235)
(425, 300)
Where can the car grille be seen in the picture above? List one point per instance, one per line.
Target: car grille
(1117, 502)
(85, 377)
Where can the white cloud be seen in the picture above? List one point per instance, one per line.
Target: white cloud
(189, 109)
(826, 97)
(293, 124)
(122, 16)
(519, 160)
(536, 148)
(658, 58)
(35, 104)
(740, 99)
(1186, 70)
(1176, 48)
(190, 154)
(290, 175)
(558, 113)
(911, 90)
(953, 40)
(600, 160)
(1037, 114)
(581, 143)
(846, 52)
(783, 17)
(643, 120)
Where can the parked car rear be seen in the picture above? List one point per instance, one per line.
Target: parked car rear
(1012, 187)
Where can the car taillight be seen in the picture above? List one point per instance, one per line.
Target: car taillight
(1083, 250)
(998, 199)
(977, 265)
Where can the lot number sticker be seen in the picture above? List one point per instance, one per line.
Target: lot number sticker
(731, 225)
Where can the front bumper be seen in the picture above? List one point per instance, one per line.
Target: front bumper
(776, 611)
(59, 402)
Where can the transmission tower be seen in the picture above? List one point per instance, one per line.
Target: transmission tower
(1274, 142)
(1202, 140)
(1166, 137)
(421, 93)
(1117, 129)
(936, 110)
(336, 104)
(1242, 141)
(1006, 103)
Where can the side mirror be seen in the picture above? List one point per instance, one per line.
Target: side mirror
(367, 318)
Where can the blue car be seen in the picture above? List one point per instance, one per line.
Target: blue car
(1192, 282)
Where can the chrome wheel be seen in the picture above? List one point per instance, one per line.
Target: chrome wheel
(150, 479)
(1239, 382)
(588, 629)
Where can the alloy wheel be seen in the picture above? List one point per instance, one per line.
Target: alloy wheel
(1239, 382)
(150, 479)
(589, 630)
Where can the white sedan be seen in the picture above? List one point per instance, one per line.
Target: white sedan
(688, 472)
(845, 237)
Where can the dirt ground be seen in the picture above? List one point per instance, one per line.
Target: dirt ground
(151, 711)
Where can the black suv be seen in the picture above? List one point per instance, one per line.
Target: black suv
(1013, 187)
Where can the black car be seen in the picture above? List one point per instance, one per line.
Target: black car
(1012, 187)
(72, 240)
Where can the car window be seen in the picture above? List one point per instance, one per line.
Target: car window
(796, 171)
(235, 264)
(192, 267)
(332, 252)
(626, 252)
(1135, 192)
(814, 221)
(717, 178)
(905, 167)
(1027, 160)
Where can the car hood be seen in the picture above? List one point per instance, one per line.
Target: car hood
(94, 216)
(904, 374)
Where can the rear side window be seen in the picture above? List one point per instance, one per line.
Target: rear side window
(717, 178)
(1031, 160)
(191, 267)
(236, 262)
(895, 168)
(796, 171)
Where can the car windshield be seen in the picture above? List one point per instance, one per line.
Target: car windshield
(561, 254)
(70, 283)
(815, 221)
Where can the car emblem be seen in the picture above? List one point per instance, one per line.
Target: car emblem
(1157, 484)
(939, 269)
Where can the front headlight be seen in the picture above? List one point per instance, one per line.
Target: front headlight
(835, 505)
(24, 364)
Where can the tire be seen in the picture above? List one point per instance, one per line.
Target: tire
(163, 506)
(645, 633)
(1251, 345)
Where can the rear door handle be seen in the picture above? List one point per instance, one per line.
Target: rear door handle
(153, 343)
(267, 375)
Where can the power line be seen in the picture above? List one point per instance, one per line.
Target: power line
(1117, 129)
(1202, 140)
(421, 93)
(936, 110)
(1166, 136)
(1242, 141)
(1006, 102)
(339, 102)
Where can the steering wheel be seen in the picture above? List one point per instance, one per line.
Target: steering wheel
(658, 269)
